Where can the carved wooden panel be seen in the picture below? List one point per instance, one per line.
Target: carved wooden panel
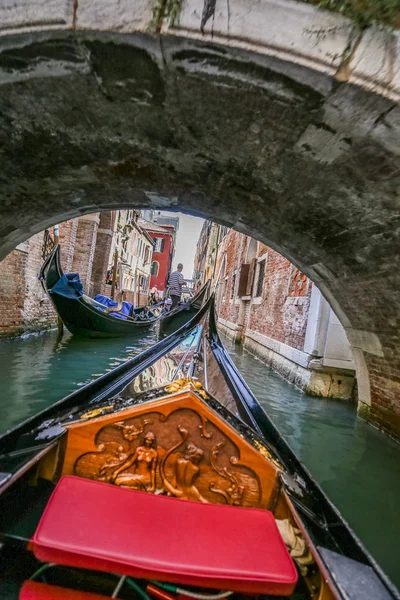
(176, 446)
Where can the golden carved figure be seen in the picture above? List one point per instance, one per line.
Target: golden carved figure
(234, 494)
(144, 463)
(186, 470)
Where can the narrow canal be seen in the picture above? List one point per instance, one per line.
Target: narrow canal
(356, 465)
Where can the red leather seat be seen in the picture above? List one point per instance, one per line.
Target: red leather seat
(99, 526)
(33, 590)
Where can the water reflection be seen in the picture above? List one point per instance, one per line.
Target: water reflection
(37, 371)
(171, 367)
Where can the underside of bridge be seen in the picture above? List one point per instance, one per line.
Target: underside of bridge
(94, 120)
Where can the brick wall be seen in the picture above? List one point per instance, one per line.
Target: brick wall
(85, 246)
(38, 312)
(385, 391)
(25, 307)
(283, 309)
(234, 247)
(101, 255)
(68, 231)
(12, 286)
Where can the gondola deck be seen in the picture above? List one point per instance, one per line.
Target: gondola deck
(168, 469)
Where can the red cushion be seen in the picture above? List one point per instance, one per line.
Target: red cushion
(99, 526)
(33, 590)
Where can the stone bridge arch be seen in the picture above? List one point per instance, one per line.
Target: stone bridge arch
(278, 120)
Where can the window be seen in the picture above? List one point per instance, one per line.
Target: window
(146, 255)
(155, 268)
(159, 246)
(224, 288)
(233, 285)
(260, 279)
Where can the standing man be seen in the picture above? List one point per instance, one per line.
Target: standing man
(176, 282)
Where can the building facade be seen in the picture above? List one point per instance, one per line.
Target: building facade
(275, 311)
(132, 249)
(84, 242)
(163, 252)
(162, 219)
(88, 246)
(199, 267)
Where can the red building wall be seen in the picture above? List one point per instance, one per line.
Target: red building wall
(163, 258)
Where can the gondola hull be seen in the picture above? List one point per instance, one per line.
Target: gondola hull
(86, 319)
(176, 423)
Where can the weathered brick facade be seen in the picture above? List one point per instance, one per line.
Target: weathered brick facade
(283, 310)
(85, 246)
(264, 302)
(25, 307)
(101, 255)
(38, 312)
(12, 290)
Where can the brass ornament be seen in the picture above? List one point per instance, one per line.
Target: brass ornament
(187, 384)
(266, 454)
(96, 412)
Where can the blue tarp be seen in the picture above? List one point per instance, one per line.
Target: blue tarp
(69, 285)
(105, 301)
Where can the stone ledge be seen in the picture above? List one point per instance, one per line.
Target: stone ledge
(19, 16)
(228, 324)
(364, 340)
(294, 355)
(124, 16)
(302, 34)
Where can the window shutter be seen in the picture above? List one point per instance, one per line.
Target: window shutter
(243, 279)
(162, 244)
(250, 280)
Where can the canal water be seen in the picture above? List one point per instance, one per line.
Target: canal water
(358, 467)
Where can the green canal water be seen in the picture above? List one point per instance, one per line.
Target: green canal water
(358, 467)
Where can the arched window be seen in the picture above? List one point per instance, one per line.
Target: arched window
(154, 268)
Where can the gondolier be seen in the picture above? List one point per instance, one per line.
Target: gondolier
(175, 283)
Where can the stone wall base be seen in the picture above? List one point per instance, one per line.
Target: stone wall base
(324, 382)
(230, 330)
(28, 329)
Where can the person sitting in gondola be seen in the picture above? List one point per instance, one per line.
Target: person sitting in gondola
(144, 462)
(167, 304)
(153, 296)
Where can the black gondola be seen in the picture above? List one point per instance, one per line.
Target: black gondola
(165, 478)
(85, 316)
